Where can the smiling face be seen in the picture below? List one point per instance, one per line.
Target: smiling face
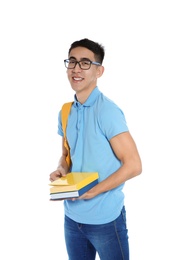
(83, 81)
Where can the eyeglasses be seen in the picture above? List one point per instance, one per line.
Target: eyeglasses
(83, 64)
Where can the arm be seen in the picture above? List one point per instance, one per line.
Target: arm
(126, 151)
(62, 168)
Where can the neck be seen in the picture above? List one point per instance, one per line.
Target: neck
(83, 96)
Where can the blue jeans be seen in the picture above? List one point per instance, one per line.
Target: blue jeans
(109, 240)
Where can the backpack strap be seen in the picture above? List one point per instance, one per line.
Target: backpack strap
(66, 107)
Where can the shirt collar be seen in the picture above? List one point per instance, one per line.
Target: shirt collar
(90, 100)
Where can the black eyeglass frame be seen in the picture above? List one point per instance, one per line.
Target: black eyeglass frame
(78, 62)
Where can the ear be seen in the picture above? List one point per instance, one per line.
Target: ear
(100, 70)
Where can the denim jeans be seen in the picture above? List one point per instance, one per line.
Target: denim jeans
(109, 240)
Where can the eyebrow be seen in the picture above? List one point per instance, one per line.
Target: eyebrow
(71, 57)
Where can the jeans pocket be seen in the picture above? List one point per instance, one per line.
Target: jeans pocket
(123, 213)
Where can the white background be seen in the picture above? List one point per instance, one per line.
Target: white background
(34, 40)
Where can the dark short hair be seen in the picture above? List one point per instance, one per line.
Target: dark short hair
(95, 47)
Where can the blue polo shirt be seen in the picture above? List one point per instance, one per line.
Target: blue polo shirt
(90, 127)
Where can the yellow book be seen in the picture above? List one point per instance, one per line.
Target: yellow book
(73, 181)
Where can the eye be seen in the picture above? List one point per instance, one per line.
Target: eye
(72, 61)
(85, 63)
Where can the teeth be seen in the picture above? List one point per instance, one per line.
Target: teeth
(77, 78)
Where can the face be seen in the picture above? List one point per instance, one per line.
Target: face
(83, 81)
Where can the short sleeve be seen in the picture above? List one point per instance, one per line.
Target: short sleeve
(112, 121)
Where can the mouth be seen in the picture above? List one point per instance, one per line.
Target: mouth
(77, 79)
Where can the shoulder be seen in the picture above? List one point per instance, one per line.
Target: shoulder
(107, 106)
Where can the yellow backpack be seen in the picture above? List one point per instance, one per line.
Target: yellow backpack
(66, 107)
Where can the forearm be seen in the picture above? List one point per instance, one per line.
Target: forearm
(124, 173)
(63, 164)
(117, 178)
(61, 170)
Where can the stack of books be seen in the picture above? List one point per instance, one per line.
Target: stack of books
(73, 185)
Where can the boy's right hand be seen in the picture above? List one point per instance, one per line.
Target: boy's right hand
(57, 174)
